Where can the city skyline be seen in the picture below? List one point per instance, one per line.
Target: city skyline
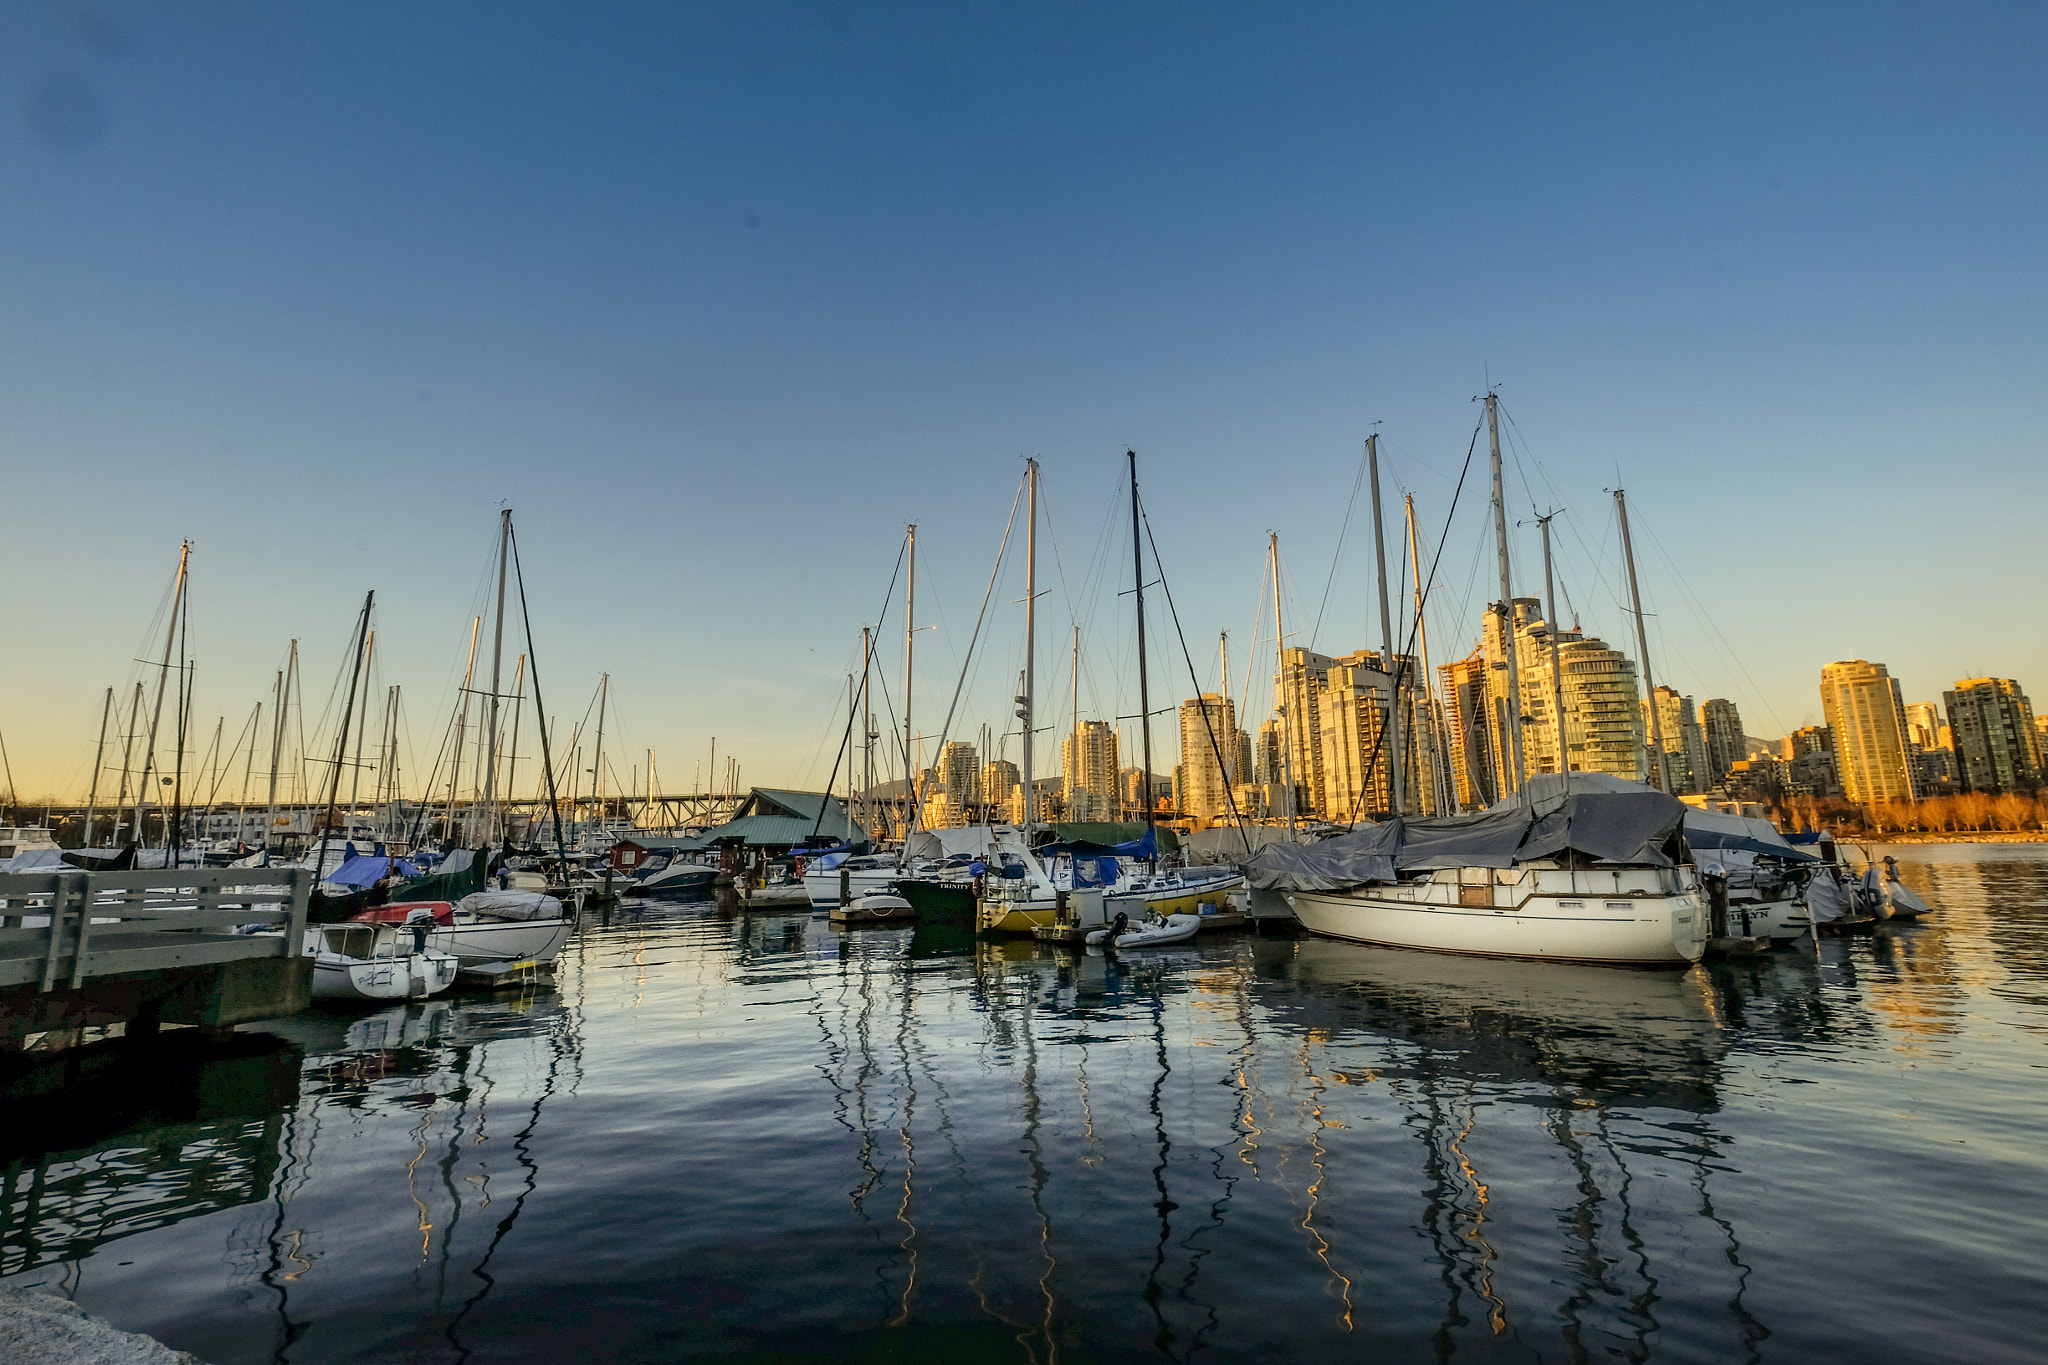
(321, 290)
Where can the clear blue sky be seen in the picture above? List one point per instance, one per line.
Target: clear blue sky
(717, 298)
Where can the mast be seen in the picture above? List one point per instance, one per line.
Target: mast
(1144, 695)
(277, 744)
(1230, 774)
(127, 762)
(355, 777)
(248, 772)
(341, 744)
(909, 651)
(1513, 730)
(1564, 749)
(1396, 770)
(518, 703)
(1436, 776)
(99, 757)
(1280, 676)
(604, 691)
(1027, 708)
(461, 728)
(497, 661)
(868, 736)
(1658, 775)
(162, 679)
(1073, 778)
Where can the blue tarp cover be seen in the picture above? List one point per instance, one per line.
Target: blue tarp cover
(366, 870)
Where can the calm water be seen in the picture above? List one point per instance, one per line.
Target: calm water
(755, 1138)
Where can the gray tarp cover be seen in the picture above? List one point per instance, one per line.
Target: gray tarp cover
(1611, 827)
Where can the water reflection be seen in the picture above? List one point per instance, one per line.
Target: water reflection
(748, 1134)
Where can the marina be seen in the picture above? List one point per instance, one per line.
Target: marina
(754, 1137)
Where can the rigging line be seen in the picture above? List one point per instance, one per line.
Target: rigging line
(1408, 653)
(993, 573)
(1222, 768)
(546, 763)
(1706, 619)
(1337, 558)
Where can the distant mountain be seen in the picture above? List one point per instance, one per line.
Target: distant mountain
(1752, 747)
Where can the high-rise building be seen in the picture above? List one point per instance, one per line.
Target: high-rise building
(958, 774)
(1465, 715)
(999, 782)
(1295, 689)
(1721, 724)
(1602, 724)
(1351, 721)
(1088, 768)
(1208, 732)
(1685, 749)
(1863, 709)
(1997, 746)
(1924, 725)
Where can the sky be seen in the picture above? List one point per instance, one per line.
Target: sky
(719, 298)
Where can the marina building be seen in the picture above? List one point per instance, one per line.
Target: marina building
(1861, 702)
(1997, 744)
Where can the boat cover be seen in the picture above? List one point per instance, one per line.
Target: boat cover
(368, 869)
(1707, 829)
(1636, 828)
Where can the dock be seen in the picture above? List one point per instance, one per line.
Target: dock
(85, 950)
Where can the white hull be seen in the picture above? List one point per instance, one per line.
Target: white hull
(823, 887)
(1175, 929)
(386, 978)
(502, 941)
(1638, 917)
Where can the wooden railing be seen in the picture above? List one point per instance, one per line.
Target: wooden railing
(62, 929)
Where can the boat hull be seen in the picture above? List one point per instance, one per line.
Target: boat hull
(1632, 930)
(390, 978)
(502, 941)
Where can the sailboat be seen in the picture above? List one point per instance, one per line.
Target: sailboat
(1030, 902)
(1573, 875)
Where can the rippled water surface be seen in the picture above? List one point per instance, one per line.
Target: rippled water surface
(756, 1138)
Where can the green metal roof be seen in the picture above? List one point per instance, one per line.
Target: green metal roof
(784, 819)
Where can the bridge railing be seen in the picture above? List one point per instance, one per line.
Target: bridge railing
(65, 928)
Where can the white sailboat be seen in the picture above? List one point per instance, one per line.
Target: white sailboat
(1577, 876)
(377, 961)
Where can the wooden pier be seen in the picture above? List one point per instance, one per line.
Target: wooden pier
(84, 950)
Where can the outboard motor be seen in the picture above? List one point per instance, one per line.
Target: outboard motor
(421, 922)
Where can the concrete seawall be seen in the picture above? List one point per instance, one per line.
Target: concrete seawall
(42, 1329)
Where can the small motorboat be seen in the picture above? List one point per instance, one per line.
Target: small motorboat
(378, 961)
(1150, 933)
(486, 926)
(877, 907)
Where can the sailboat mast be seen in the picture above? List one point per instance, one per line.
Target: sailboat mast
(1436, 779)
(867, 729)
(1564, 748)
(249, 769)
(1512, 731)
(277, 743)
(604, 690)
(518, 704)
(461, 727)
(497, 661)
(99, 758)
(909, 654)
(1074, 774)
(1144, 692)
(162, 678)
(1280, 675)
(1027, 709)
(1396, 769)
(355, 777)
(348, 711)
(1658, 775)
